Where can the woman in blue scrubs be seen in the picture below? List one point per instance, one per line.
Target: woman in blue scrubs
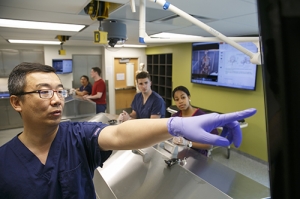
(54, 159)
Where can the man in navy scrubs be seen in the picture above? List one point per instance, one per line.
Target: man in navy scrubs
(146, 103)
(53, 159)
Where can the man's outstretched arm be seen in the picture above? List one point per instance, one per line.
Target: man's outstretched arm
(142, 133)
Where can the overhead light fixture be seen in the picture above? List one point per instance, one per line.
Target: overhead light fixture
(15, 41)
(166, 35)
(9, 23)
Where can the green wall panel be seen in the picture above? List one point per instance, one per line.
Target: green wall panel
(222, 99)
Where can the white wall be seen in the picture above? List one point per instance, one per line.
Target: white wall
(51, 52)
(3, 84)
(110, 55)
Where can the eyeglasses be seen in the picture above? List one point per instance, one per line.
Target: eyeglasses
(47, 94)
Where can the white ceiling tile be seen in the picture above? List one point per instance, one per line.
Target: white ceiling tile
(230, 17)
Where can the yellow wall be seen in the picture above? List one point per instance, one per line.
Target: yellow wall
(222, 100)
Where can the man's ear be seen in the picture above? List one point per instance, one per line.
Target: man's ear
(15, 103)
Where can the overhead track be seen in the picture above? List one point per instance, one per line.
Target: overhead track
(255, 58)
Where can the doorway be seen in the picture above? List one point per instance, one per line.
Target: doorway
(125, 69)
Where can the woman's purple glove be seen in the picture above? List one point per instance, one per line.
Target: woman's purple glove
(197, 128)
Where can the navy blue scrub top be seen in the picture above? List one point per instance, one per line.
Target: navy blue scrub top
(88, 88)
(155, 105)
(69, 169)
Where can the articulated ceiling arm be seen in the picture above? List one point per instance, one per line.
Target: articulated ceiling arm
(132, 4)
(255, 58)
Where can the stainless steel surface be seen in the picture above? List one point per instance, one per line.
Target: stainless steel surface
(170, 149)
(225, 179)
(103, 191)
(76, 107)
(145, 155)
(101, 117)
(172, 111)
(130, 176)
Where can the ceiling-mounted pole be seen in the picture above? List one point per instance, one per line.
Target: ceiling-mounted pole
(142, 22)
(255, 58)
(132, 4)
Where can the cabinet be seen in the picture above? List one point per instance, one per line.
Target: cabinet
(82, 65)
(159, 67)
(9, 58)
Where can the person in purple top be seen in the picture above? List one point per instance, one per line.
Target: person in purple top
(182, 98)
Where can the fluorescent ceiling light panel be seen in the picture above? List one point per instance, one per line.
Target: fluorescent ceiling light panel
(15, 41)
(40, 25)
(166, 35)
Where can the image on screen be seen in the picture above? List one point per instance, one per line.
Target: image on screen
(220, 64)
(62, 66)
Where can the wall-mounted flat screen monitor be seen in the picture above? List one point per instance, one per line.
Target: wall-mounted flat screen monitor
(62, 66)
(220, 64)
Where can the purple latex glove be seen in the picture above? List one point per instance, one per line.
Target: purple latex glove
(197, 128)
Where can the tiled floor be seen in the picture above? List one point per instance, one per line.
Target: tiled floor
(244, 164)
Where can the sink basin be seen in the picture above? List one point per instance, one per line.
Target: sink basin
(126, 176)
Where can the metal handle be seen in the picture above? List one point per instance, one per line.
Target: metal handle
(171, 148)
(146, 156)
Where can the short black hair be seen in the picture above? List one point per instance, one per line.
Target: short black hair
(142, 75)
(17, 77)
(86, 77)
(183, 89)
(98, 70)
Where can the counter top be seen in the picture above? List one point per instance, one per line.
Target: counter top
(143, 173)
(77, 97)
(223, 178)
(101, 117)
(148, 176)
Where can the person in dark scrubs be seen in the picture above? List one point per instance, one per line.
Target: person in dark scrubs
(54, 159)
(147, 103)
(85, 88)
